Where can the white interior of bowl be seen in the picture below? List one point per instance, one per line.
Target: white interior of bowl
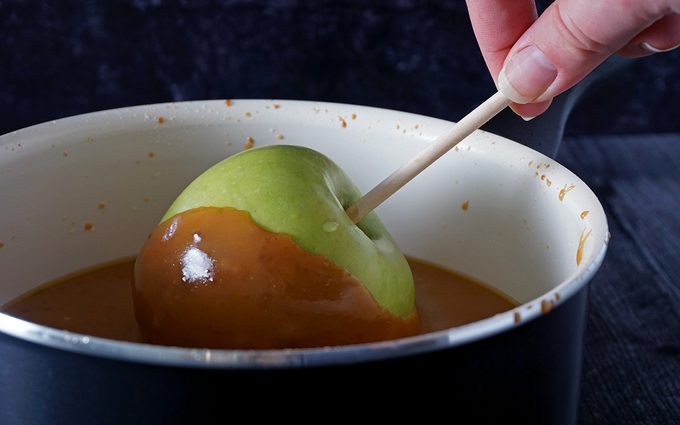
(516, 235)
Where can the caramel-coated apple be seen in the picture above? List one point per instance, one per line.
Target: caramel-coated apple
(258, 252)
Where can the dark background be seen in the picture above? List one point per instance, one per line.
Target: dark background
(64, 58)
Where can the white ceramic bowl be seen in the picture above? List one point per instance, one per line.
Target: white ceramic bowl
(520, 233)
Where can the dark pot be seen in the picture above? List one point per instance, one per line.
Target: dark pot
(493, 370)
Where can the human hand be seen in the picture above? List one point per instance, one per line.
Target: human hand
(533, 59)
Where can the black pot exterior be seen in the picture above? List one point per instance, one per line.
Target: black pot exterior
(530, 374)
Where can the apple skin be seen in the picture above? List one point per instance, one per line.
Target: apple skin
(300, 192)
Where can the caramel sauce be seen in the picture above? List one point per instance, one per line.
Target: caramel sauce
(99, 301)
(546, 306)
(564, 191)
(94, 302)
(581, 245)
(199, 309)
(211, 277)
(445, 299)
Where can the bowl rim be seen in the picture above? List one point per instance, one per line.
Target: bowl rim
(300, 357)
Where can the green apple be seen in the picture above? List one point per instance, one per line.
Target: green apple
(302, 193)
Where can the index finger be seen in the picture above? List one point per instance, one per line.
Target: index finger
(498, 24)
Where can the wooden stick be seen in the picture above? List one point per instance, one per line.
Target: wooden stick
(471, 122)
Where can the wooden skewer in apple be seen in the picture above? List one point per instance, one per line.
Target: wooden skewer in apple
(258, 252)
(471, 122)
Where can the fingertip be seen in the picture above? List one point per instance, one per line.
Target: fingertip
(639, 50)
(526, 75)
(634, 51)
(653, 49)
(529, 111)
(662, 36)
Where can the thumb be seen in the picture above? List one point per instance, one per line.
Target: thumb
(568, 41)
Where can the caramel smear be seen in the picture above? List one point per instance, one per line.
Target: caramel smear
(581, 244)
(565, 190)
(211, 277)
(584, 214)
(465, 205)
(546, 306)
(228, 102)
(250, 142)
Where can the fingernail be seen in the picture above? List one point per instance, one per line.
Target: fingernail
(648, 47)
(526, 75)
(519, 114)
